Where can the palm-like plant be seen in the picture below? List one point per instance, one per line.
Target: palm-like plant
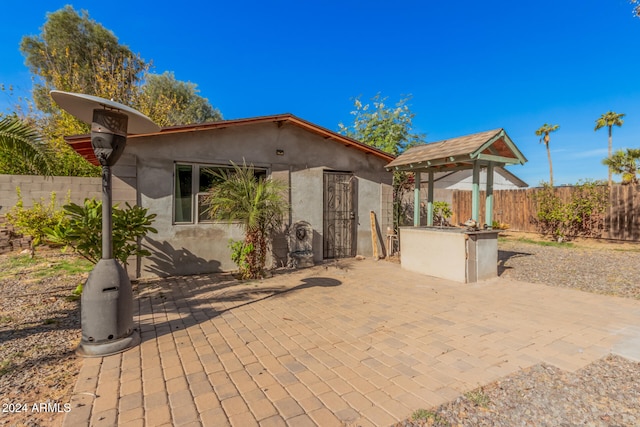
(625, 163)
(609, 119)
(21, 143)
(237, 195)
(543, 132)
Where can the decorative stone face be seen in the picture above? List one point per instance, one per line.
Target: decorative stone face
(300, 241)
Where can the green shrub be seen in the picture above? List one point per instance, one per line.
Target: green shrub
(582, 216)
(82, 230)
(552, 213)
(33, 221)
(588, 208)
(240, 252)
(441, 213)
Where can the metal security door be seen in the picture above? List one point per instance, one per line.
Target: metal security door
(339, 215)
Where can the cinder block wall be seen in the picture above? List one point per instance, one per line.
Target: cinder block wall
(38, 187)
(67, 189)
(77, 188)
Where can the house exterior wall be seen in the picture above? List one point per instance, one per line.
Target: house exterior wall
(463, 180)
(203, 248)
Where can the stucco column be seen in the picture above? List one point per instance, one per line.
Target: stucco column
(488, 206)
(475, 193)
(416, 199)
(430, 200)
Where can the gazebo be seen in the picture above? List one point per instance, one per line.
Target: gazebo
(480, 150)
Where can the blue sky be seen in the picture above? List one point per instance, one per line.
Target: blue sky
(470, 66)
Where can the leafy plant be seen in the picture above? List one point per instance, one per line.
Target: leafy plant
(83, 230)
(587, 209)
(240, 253)
(551, 213)
(625, 163)
(390, 129)
(34, 220)
(256, 203)
(441, 212)
(497, 225)
(583, 215)
(22, 150)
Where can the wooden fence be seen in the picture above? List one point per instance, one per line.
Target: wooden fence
(518, 209)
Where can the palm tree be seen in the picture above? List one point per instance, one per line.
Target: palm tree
(257, 203)
(544, 132)
(21, 143)
(609, 119)
(625, 164)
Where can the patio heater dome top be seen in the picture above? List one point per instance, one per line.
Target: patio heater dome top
(81, 106)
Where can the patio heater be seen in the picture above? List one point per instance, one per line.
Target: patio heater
(107, 299)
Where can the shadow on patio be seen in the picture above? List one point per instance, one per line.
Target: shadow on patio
(185, 301)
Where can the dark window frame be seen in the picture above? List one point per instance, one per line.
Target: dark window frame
(197, 190)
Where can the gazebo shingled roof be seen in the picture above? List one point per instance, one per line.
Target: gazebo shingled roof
(462, 152)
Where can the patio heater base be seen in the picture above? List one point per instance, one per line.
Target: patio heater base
(106, 311)
(86, 349)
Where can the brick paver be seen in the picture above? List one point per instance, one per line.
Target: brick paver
(362, 342)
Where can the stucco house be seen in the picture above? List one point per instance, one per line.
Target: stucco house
(334, 183)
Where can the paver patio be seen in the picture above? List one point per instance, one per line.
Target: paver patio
(348, 343)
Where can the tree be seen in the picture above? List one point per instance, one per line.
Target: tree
(172, 102)
(388, 129)
(543, 132)
(75, 53)
(636, 7)
(625, 163)
(383, 127)
(21, 148)
(609, 119)
(257, 203)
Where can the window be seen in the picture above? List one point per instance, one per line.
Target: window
(190, 188)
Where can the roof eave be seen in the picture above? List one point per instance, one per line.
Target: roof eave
(80, 142)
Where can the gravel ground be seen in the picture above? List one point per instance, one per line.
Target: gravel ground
(40, 328)
(604, 393)
(610, 269)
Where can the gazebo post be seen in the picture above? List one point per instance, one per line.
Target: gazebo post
(475, 193)
(416, 199)
(489, 197)
(430, 200)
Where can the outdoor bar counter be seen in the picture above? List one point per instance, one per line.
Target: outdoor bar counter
(450, 253)
(459, 254)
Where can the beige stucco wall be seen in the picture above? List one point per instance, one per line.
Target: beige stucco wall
(201, 248)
